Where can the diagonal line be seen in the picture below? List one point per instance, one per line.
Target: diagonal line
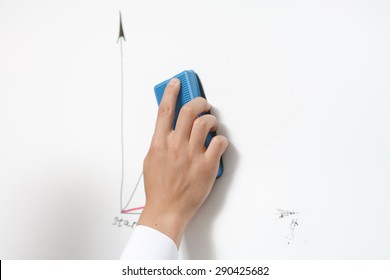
(132, 194)
(127, 211)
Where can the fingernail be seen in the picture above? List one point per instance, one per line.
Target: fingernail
(173, 81)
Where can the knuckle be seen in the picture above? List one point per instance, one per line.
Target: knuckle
(188, 109)
(218, 141)
(164, 109)
(206, 122)
(202, 123)
(201, 100)
(156, 146)
(204, 102)
(208, 165)
(213, 119)
(169, 87)
(174, 149)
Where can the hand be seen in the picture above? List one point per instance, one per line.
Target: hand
(179, 171)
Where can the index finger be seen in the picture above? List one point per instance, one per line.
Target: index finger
(166, 111)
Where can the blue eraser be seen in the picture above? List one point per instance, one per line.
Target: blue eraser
(190, 88)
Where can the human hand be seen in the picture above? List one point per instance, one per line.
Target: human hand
(179, 171)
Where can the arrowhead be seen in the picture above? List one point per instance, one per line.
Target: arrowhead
(121, 33)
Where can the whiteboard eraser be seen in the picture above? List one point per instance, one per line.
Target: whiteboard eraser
(190, 88)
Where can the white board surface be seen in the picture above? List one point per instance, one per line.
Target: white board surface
(301, 89)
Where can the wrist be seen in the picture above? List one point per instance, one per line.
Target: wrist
(167, 223)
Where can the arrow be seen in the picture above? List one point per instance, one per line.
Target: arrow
(121, 33)
(121, 38)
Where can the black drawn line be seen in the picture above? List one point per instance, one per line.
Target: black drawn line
(121, 38)
(121, 33)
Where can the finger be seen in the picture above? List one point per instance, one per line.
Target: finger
(216, 148)
(166, 111)
(201, 127)
(188, 113)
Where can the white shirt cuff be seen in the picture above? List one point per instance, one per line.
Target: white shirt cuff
(149, 244)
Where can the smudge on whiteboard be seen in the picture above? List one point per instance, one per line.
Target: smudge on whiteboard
(292, 225)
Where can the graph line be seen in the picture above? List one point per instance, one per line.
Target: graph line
(121, 38)
(132, 194)
(132, 209)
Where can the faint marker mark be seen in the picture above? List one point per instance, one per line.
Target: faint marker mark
(291, 234)
(284, 213)
(294, 223)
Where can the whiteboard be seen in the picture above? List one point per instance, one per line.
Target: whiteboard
(300, 88)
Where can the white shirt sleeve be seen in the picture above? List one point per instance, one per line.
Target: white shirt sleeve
(146, 243)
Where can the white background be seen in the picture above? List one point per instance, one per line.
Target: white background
(301, 90)
(278, 269)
